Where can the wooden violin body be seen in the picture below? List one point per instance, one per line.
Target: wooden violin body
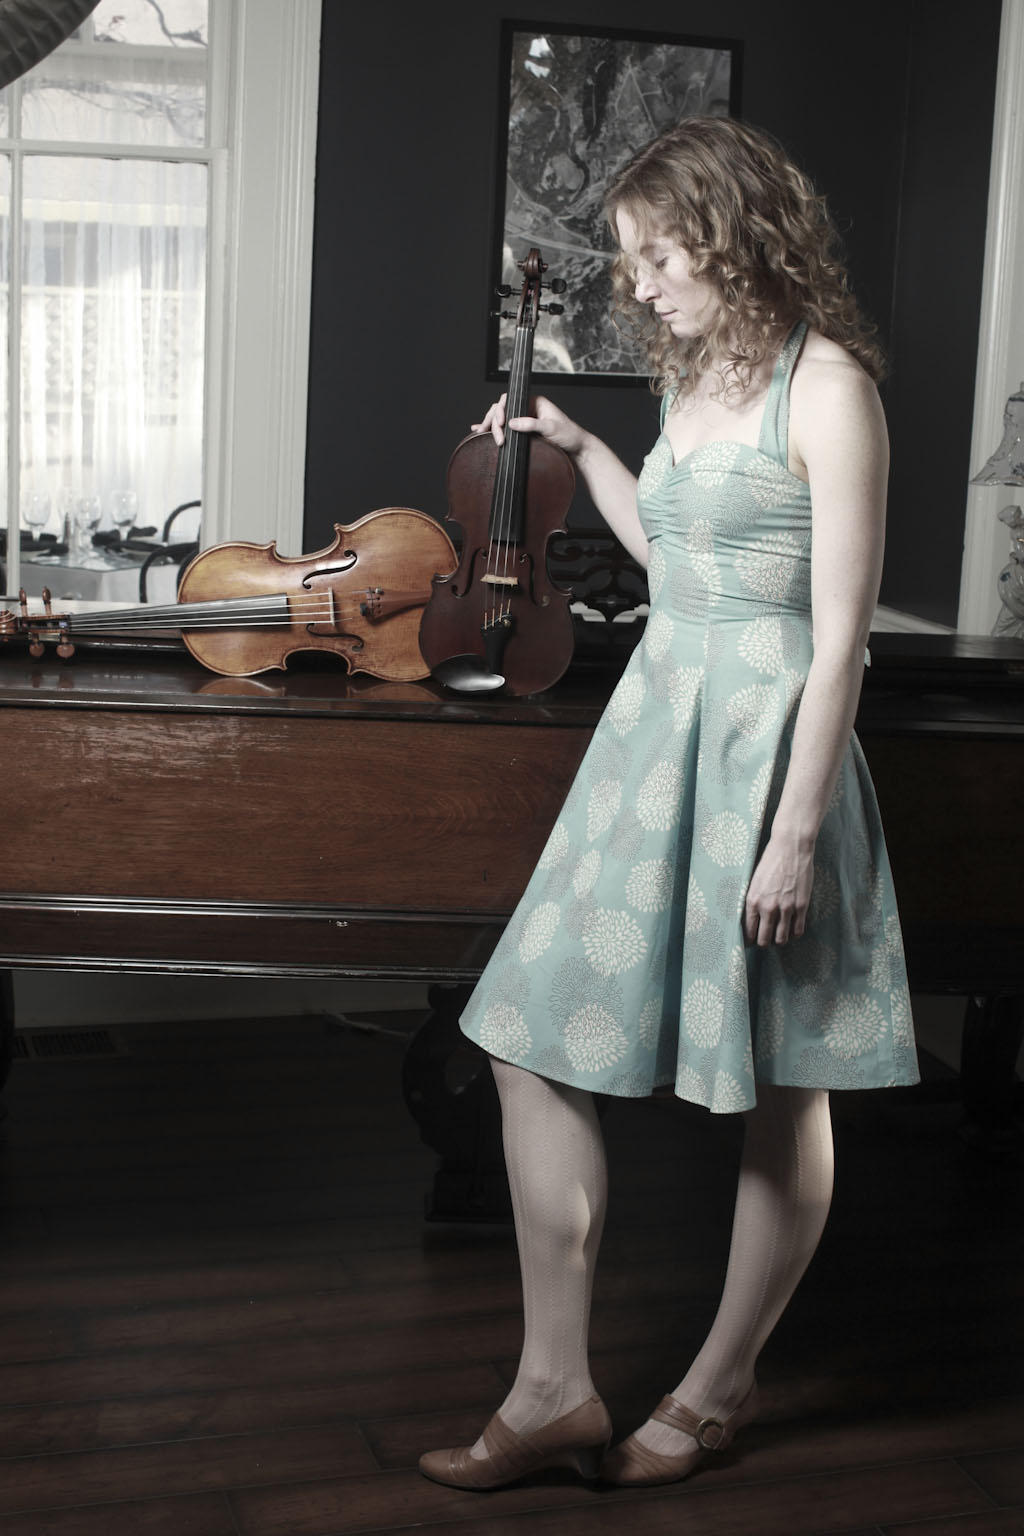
(499, 621)
(243, 609)
(506, 612)
(361, 598)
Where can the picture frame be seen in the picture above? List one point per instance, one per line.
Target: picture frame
(575, 103)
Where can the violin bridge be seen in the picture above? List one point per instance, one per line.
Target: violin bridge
(376, 603)
(501, 581)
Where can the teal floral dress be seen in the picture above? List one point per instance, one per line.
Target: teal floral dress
(624, 967)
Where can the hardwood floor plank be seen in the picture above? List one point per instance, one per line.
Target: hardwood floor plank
(247, 1205)
(203, 1179)
(830, 1376)
(202, 1465)
(711, 1503)
(993, 1522)
(779, 1446)
(33, 1335)
(41, 1429)
(246, 1146)
(104, 1289)
(397, 1499)
(484, 1316)
(35, 1244)
(670, 1258)
(155, 1119)
(339, 1331)
(1001, 1473)
(250, 1364)
(333, 1312)
(188, 1515)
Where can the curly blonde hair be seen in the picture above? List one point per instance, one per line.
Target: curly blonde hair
(756, 230)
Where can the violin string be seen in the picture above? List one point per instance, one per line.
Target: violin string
(219, 615)
(524, 340)
(515, 470)
(509, 471)
(234, 614)
(497, 555)
(498, 558)
(521, 450)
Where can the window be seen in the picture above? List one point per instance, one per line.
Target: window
(156, 195)
(105, 259)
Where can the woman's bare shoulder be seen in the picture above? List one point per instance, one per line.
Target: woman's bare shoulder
(826, 373)
(820, 351)
(833, 400)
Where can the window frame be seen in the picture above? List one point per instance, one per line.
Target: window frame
(259, 288)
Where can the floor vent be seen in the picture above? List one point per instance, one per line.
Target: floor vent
(61, 1044)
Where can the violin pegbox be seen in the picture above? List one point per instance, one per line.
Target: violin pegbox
(38, 627)
(533, 269)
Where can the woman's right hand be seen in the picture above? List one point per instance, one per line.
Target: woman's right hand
(548, 421)
(611, 485)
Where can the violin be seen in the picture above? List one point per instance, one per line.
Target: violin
(243, 608)
(499, 621)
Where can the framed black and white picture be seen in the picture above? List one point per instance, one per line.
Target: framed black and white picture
(576, 104)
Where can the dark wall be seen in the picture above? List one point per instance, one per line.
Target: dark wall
(404, 218)
(936, 305)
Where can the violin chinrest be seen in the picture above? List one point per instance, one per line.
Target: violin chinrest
(469, 674)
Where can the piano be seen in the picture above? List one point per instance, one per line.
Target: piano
(158, 817)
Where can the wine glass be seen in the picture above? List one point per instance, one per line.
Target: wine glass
(124, 511)
(87, 515)
(67, 500)
(36, 512)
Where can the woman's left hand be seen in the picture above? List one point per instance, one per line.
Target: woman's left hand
(779, 893)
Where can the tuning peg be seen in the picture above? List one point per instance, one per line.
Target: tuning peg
(503, 290)
(553, 309)
(503, 314)
(557, 285)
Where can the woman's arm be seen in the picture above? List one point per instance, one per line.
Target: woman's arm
(612, 488)
(837, 432)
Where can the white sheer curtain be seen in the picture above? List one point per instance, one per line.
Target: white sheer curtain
(104, 172)
(5, 340)
(113, 324)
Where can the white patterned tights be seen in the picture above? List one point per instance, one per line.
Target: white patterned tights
(555, 1157)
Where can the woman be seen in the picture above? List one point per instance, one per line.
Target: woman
(714, 908)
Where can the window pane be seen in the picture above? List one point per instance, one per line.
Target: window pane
(113, 315)
(5, 300)
(181, 23)
(135, 73)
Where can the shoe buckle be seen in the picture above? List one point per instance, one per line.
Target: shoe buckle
(702, 1431)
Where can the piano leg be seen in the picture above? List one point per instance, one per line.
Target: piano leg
(451, 1095)
(993, 1032)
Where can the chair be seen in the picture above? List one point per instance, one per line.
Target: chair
(178, 553)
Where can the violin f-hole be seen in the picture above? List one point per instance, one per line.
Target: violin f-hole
(348, 555)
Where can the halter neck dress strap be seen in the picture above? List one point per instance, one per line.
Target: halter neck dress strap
(774, 436)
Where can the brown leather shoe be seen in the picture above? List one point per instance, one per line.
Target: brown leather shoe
(633, 1463)
(578, 1439)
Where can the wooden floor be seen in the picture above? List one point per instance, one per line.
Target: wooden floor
(224, 1315)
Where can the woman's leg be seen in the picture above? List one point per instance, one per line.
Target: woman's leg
(556, 1170)
(785, 1188)
(554, 1152)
